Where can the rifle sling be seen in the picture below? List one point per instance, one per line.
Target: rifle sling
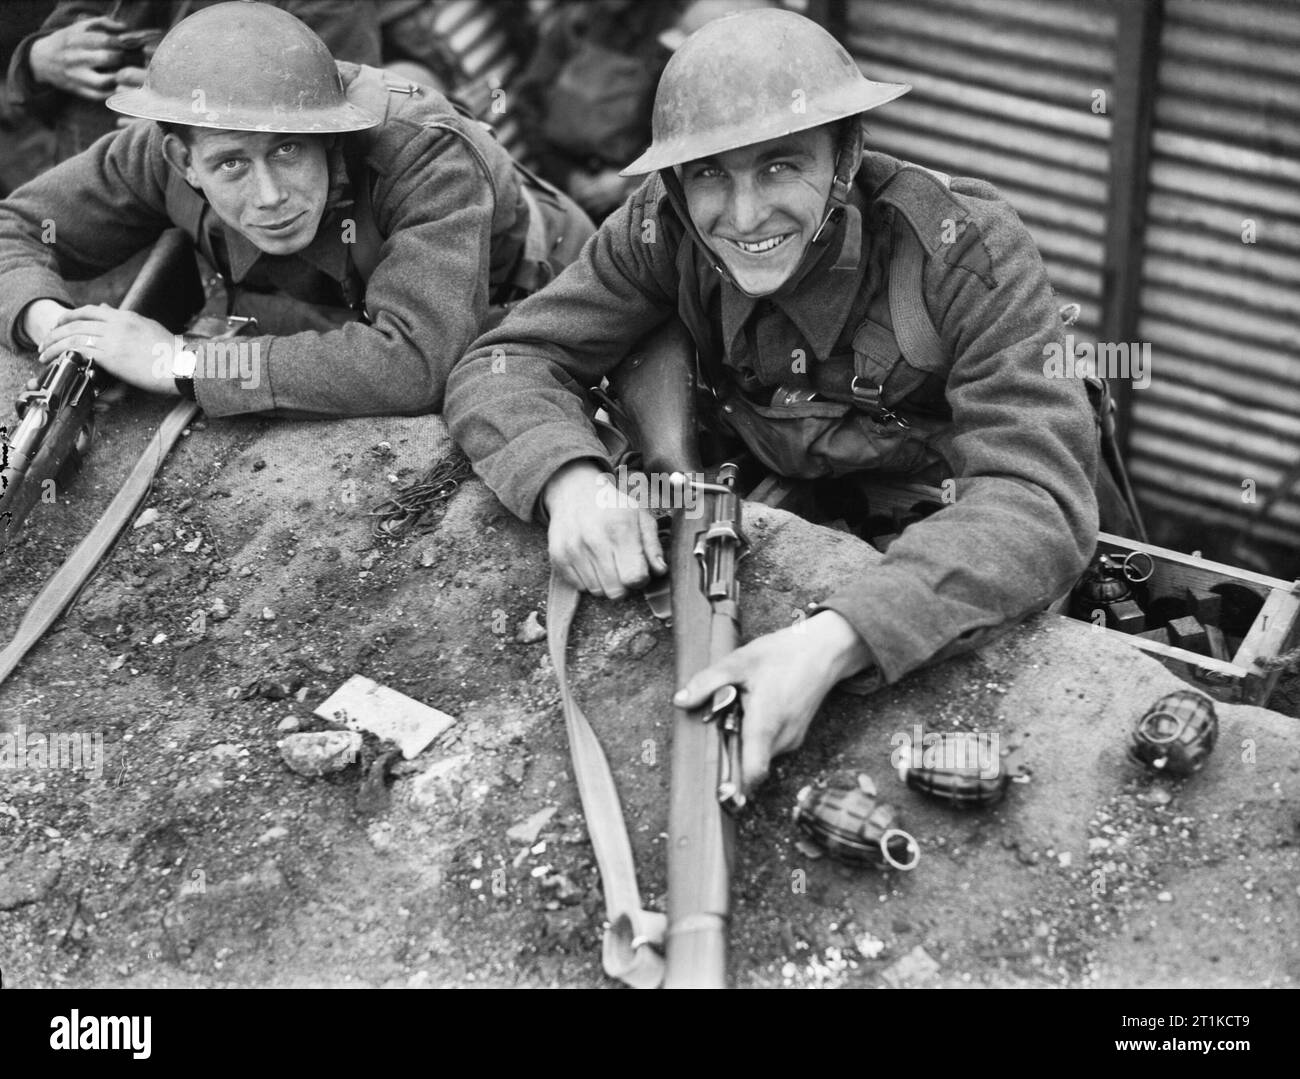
(67, 581)
(633, 936)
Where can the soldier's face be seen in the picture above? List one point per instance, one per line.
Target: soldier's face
(758, 207)
(269, 187)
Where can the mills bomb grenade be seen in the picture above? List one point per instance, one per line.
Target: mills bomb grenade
(854, 826)
(1177, 734)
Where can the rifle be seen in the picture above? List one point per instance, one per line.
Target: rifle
(56, 420)
(655, 407)
(55, 430)
(656, 393)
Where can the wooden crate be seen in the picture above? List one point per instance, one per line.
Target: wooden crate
(1274, 629)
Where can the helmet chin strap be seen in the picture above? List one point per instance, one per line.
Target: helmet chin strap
(677, 196)
(847, 161)
(838, 208)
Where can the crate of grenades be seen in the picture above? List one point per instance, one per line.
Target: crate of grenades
(1214, 625)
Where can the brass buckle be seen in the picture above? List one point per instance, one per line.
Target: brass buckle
(869, 396)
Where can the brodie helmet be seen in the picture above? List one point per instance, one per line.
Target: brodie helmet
(244, 67)
(750, 77)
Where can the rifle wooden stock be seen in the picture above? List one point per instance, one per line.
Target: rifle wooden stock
(166, 290)
(701, 832)
(656, 388)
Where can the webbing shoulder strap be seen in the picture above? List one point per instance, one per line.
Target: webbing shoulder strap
(914, 330)
(918, 340)
(376, 91)
(367, 240)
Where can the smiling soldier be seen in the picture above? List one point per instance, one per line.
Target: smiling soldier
(370, 228)
(849, 313)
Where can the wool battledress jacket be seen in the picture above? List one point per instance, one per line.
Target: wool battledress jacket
(447, 204)
(1020, 446)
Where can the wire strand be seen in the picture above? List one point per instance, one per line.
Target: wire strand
(398, 514)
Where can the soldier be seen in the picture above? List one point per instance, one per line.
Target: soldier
(850, 312)
(369, 228)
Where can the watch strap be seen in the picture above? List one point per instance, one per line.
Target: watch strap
(185, 383)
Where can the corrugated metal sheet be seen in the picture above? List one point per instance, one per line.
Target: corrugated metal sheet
(474, 31)
(1223, 315)
(1004, 90)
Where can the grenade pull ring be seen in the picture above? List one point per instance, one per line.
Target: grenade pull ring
(1136, 575)
(848, 822)
(1151, 731)
(912, 848)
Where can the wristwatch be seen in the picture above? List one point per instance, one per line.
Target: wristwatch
(183, 367)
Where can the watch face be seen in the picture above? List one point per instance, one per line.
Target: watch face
(186, 362)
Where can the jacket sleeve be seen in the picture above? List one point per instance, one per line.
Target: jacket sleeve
(426, 298)
(1024, 456)
(79, 219)
(516, 402)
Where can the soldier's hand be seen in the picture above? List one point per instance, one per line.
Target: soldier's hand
(79, 59)
(135, 349)
(783, 677)
(129, 78)
(599, 540)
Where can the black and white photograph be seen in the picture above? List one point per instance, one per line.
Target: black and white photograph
(584, 494)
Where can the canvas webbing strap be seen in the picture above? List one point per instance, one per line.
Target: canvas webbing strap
(917, 338)
(63, 587)
(633, 936)
(537, 245)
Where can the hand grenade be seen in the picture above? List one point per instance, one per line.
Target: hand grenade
(850, 824)
(956, 775)
(1107, 582)
(1177, 734)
